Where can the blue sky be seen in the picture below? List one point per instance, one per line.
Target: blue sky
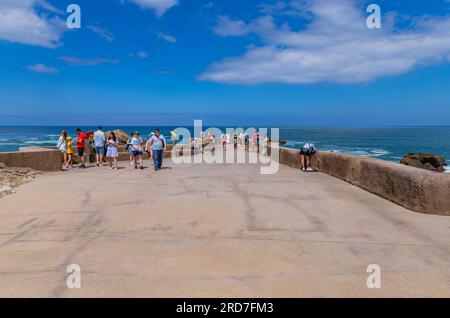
(167, 62)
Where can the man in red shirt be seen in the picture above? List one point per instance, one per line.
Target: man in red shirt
(81, 145)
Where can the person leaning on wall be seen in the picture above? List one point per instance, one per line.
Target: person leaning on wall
(306, 152)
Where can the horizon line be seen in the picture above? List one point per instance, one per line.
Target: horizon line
(225, 125)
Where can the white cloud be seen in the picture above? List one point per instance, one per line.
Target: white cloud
(336, 46)
(295, 8)
(229, 27)
(103, 33)
(159, 6)
(48, 6)
(77, 61)
(21, 23)
(208, 5)
(141, 54)
(167, 37)
(41, 68)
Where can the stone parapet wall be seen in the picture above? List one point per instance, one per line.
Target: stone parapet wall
(416, 189)
(37, 158)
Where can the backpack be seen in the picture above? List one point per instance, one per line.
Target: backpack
(308, 149)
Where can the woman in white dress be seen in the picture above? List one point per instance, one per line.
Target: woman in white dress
(62, 145)
(112, 152)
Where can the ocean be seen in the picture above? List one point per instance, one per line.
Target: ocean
(386, 143)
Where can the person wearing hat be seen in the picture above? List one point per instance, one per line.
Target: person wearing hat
(136, 149)
(149, 146)
(69, 148)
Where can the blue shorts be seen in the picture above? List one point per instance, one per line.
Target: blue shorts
(137, 153)
(100, 151)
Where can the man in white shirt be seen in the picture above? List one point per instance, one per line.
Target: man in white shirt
(99, 144)
(158, 142)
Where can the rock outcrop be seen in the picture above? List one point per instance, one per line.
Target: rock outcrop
(13, 177)
(122, 136)
(424, 161)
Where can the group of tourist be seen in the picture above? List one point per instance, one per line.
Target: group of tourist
(243, 139)
(154, 147)
(107, 147)
(259, 144)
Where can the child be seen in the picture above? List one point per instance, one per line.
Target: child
(148, 145)
(69, 152)
(136, 148)
(129, 149)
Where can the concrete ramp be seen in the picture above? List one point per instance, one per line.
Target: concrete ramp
(215, 231)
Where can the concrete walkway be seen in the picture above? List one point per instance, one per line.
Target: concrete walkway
(215, 231)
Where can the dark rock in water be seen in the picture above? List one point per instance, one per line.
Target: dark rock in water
(424, 161)
(282, 142)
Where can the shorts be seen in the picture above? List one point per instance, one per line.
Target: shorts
(137, 153)
(80, 152)
(100, 151)
(306, 152)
